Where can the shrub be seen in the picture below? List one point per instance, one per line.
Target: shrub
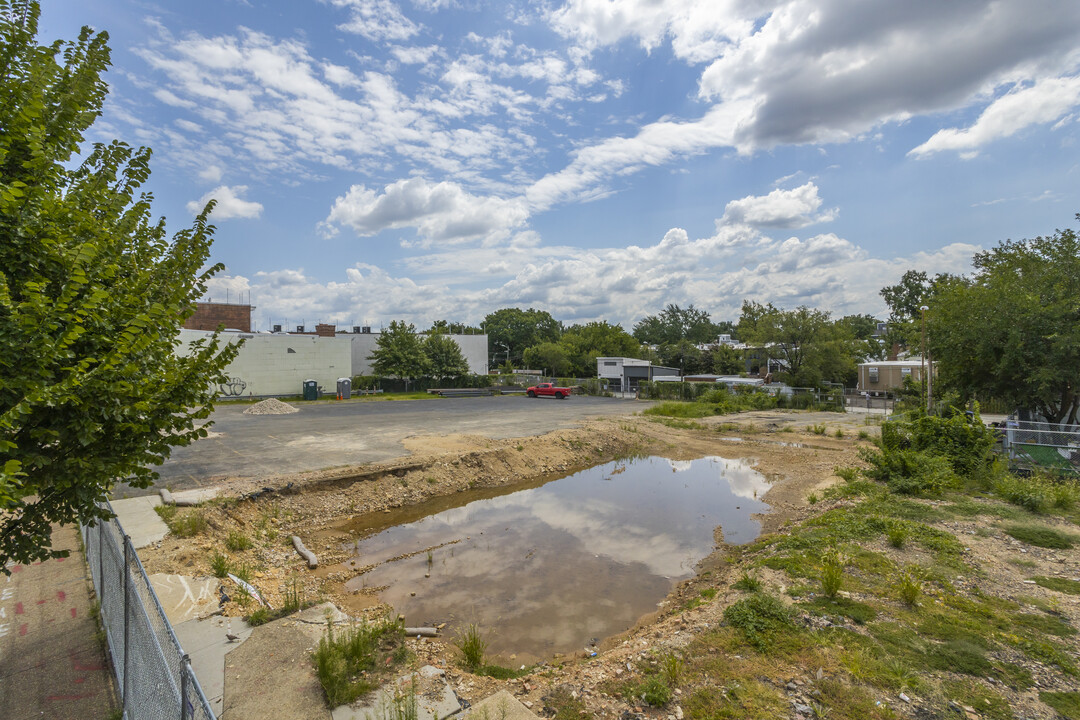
(654, 691)
(472, 646)
(911, 472)
(748, 582)
(760, 618)
(671, 666)
(897, 533)
(219, 564)
(819, 429)
(847, 474)
(832, 573)
(237, 541)
(189, 524)
(909, 586)
(347, 664)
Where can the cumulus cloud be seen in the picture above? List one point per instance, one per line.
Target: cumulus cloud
(440, 212)
(377, 20)
(779, 209)
(1045, 102)
(229, 203)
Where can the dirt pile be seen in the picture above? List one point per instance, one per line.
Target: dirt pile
(271, 406)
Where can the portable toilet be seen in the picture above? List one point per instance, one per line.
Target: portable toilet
(344, 388)
(311, 390)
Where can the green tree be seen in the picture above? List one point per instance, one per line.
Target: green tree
(92, 298)
(399, 352)
(548, 356)
(584, 343)
(444, 358)
(1012, 331)
(725, 360)
(674, 324)
(511, 330)
(812, 347)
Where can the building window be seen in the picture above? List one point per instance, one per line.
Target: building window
(873, 375)
(610, 363)
(905, 371)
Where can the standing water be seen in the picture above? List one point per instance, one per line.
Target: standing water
(554, 568)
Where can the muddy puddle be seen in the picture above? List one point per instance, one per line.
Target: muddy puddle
(559, 567)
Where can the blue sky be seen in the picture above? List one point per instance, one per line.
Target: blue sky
(420, 159)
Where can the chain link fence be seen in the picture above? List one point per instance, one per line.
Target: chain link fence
(1048, 445)
(153, 673)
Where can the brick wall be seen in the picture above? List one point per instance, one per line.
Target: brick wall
(210, 316)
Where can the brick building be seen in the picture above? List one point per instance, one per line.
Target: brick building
(210, 316)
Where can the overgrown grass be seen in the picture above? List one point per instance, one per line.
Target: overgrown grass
(760, 618)
(747, 581)
(1041, 536)
(1064, 585)
(472, 646)
(187, 524)
(237, 541)
(219, 564)
(294, 600)
(350, 662)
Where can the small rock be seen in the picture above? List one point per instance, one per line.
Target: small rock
(804, 709)
(791, 686)
(678, 713)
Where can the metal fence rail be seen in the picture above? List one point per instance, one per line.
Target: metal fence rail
(1046, 444)
(153, 673)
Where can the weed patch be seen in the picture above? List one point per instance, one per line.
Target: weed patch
(1063, 585)
(1067, 704)
(349, 663)
(1041, 536)
(472, 646)
(760, 618)
(237, 541)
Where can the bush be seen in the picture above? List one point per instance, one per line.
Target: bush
(760, 618)
(911, 472)
(897, 533)
(347, 664)
(220, 565)
(748, 582)
(472, 646)
(909, 586)
(832, 573)
(237, 541)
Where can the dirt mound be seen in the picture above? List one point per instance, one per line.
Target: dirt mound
(271, 406)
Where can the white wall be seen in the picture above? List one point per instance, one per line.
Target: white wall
(278, 364)
(473, 347)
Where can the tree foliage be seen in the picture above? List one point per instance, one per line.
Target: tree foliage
(444, 357)
(92, 298)
(399, 352)
(1012, 331)
(511, 330)
(550, 357)
(584, 343)
(674, 323)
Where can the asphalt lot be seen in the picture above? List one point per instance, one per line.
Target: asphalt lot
(329, 434)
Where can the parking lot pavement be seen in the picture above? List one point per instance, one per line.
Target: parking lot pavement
(328, 434)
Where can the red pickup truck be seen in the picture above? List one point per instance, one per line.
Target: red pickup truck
(548, 389)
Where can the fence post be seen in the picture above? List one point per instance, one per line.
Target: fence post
(100, 567)
(127, 634)
(186, 665)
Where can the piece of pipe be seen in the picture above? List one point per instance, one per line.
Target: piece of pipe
(421, 632)
(312, 561)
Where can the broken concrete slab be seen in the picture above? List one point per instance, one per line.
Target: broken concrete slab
(186, 598)
(207, 642)
(271, 675)
(139, 520)
(197, 496)
(500, 706)
(435, 699)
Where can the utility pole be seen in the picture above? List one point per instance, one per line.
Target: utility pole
(925, 364)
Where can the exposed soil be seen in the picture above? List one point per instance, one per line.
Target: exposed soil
(312, 505)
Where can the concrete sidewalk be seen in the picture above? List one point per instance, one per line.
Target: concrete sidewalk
(51, 662)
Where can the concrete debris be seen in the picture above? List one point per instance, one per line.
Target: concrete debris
(270, 406)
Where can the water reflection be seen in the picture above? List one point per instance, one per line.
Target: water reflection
(551, 568)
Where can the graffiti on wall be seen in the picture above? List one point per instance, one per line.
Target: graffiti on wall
(233, 387)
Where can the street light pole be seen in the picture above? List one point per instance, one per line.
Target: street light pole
(925, 365)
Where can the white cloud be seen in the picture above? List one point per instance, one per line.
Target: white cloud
(211, 174)
(1045, 102)
(377, 20)
(229, 203)
(440, 212)
(779, 209)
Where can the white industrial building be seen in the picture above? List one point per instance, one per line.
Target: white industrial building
(279, 363)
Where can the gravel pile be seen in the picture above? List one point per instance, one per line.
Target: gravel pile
(271, 406)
